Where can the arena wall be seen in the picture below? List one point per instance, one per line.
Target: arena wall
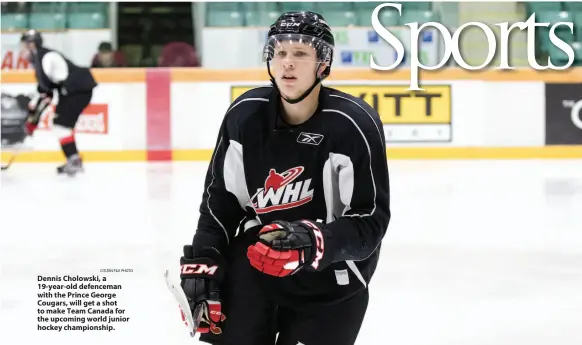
(174, 114)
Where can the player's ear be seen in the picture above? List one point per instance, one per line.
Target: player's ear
(321, 68)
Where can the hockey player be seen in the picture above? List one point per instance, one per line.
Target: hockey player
(295, 205)
(74, 86)
(12, 127)
(14, 116)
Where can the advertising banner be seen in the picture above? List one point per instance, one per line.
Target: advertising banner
(564, 114)
(93, 120)
(103, 125)
(408, 116)
(11, 58)
(353, 47)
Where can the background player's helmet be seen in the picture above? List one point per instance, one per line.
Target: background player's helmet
(32, 36)
(305, 27)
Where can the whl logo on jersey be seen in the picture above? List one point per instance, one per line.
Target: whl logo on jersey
(280, 192)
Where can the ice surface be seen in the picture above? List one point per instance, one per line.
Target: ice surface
(477, 253)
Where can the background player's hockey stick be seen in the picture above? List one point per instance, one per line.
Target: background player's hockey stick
(9, 164)
(192, 322)
(13, 152)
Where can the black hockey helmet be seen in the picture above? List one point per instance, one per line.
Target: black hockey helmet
(308, 28)
(32, 36)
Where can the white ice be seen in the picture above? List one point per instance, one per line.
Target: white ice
(477, 252)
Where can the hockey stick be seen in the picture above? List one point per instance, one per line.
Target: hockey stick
(191, 322)
(14, 152)
(9, 164)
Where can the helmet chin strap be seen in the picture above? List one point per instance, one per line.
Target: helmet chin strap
(32, 54)
(304, 95)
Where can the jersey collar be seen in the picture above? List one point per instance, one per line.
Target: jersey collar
(276, 122)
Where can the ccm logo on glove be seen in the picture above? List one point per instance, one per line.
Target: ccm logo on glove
(318, 244)
(199, 269)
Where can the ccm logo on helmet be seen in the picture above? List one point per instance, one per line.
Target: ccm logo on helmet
(198, 269)
(289, 24)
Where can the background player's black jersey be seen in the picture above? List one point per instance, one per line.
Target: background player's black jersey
(78, 79)
(332, 167)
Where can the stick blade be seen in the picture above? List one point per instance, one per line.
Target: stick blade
(192, 321)
(7, 165)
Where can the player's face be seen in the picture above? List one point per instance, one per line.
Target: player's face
(294, 68)
(25, 50)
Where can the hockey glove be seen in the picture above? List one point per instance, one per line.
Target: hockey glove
(201, 275)
(36, 108)
(285, 248)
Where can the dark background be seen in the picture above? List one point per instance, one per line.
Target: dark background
(560, 130)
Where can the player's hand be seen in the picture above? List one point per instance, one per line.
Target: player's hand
(201, 275)
(36, 108)
(284, 248)
(40, 102)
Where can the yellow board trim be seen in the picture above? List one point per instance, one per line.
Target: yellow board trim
(191, 155)
(102, 75)
(397, 153)
(198, 75)
(88, 156)
(542, 152)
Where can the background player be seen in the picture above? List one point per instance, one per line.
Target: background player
(74, 86)
(301, 171)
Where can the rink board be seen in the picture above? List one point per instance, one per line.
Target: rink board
(442, 153)
(175, 114)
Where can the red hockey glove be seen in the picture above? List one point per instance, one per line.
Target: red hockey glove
(201, 275)
(284, 248)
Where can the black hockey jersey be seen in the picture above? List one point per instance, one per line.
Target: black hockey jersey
(332, 167)
(78, 79)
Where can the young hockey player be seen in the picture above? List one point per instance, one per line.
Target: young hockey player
(295, 205)
(74, 86)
